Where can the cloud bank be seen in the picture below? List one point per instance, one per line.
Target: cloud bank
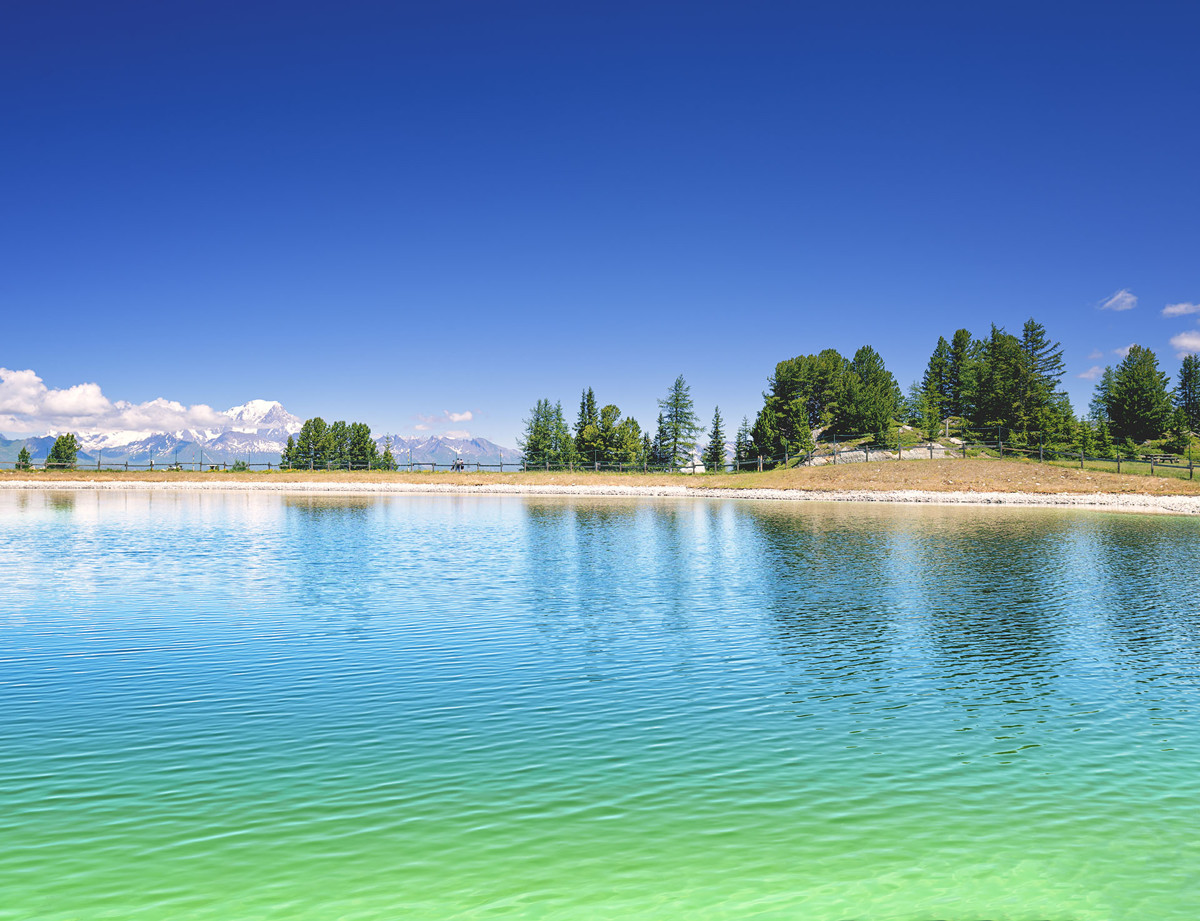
(1180, 310)
(28, 405)
(1092, 373)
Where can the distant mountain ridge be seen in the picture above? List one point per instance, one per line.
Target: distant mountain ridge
(257, 432)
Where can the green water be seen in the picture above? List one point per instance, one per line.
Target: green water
(230, 706)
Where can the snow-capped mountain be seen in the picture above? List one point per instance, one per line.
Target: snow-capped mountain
(259, 427)
(263, 415)
(256, 431)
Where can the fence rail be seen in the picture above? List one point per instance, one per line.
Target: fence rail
(835, 454)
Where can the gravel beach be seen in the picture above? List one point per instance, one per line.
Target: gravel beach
(1160, 504)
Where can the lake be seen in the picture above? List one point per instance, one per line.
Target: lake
(229, 705)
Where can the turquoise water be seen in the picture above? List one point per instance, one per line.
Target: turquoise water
(231, 706)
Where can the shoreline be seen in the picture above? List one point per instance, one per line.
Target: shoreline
(1121, 502)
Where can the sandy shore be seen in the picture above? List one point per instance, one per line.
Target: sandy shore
(1174, 505)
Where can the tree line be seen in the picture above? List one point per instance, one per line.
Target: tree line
(1001, 386)
(603, 437)
(335, 445)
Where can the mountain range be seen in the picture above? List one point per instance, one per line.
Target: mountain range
(256, 432)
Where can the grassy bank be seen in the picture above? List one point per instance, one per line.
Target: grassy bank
(950, 475)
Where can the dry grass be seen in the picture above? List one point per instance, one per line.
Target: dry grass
(957, 475)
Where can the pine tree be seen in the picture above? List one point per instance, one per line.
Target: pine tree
(547, 439)
(289, 454)
(742, 445)
(714, 454)
(681, 423)
(936, 385)
(1041, 374)
(1187, 394)
(310, 444)
(24, 462)
(362, 451)
(388, 460)
(871, 397)
(64, 453)
(963, 374)
(658, 447)
(588, 415)
(1138, 405)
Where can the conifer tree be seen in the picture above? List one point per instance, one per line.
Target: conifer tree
(681, 423)
(714, 454)
(871, 397)
(362, 451)
(936, 385)
(310, 444)
(1187, 394)
(289, 453)
(23, 460)
(64, 453)
(588, 415)
(658, 449)
(1138, 405)
(388, 460)
(742, 445)
(963, 374)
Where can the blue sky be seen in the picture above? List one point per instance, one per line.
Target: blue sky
(399, 212)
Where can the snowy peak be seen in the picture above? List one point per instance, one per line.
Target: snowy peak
(262, 415)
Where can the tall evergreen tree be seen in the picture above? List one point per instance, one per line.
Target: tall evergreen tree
(1040, 399)
(658, 447)
(547, 438)
(64, 453)
(336, 447)
(937, 385)
(714, 454)
(998, 402)
(24, 462)
(362, 451)
(310, 444)
(1187, 394)
(1138, 405)
(585, 442)
(963, 374)
(388, 460)
(289, 452)
(743, 446)
(871, 398)
(681, 423)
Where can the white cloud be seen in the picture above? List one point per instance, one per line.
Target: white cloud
(1180, 310)
(1096, 353)
(28, 405)
(456, 433)
(1186, 343)
(465, 416)
(1092, 373)
(1124, 350)
(1122, 300)
(421, 427)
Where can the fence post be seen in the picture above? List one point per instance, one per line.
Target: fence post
(964, 446)
(1001, 444)
(99, 454)
(1152, 465)
(547, 465)
(931, 450)
(760, 463)
(1189, 468)
(1040, 456)
(1118, 462)
(1081, 459)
